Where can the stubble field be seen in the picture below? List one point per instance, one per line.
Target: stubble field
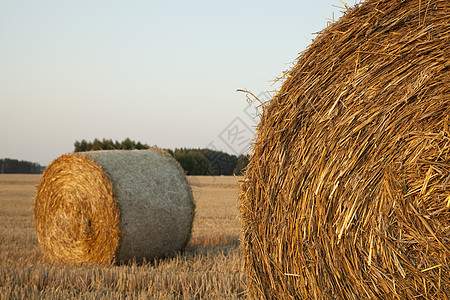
(209, 268)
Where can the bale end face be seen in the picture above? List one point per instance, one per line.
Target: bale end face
(75, 211)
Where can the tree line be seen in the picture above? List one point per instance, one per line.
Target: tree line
(14, 166)
(106, 144)
(210, 162)
(194, 161)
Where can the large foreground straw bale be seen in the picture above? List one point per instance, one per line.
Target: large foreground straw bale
(106, 206)
(347, 194)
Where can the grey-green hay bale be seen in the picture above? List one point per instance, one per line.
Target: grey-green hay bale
(113, 206)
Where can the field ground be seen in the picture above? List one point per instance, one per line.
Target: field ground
(209, 268)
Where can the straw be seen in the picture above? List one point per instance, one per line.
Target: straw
(346, 195)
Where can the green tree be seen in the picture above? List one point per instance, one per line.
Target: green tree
(107, 144)
(201, 165)
(241, 164)
(8, 165)
(192, 161)
(97, 145)
(141, 146)
(83, 146)
(76, 146)
(221, 163)
(127, 144)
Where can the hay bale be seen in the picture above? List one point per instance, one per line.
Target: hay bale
(347, 194)
(106, 206)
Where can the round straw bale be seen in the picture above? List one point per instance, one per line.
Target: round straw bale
(347, 193)
(113, 206)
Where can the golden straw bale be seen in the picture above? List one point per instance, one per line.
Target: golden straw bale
(113, 206)
(347, 193)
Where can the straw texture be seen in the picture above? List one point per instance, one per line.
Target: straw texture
(347, 193)
(113, 206)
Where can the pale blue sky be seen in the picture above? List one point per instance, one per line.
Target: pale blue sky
(164, 73)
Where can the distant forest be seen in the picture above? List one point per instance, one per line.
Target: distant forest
(14, 166)
(193, 161)
(105, 144)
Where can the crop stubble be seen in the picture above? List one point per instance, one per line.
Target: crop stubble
(210, 267)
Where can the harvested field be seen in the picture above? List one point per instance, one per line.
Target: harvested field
(210, 267)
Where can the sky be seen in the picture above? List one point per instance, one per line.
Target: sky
(165, 73)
